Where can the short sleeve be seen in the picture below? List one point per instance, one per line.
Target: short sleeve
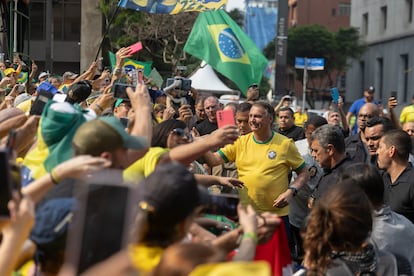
(295, 160)
(353, 108)
(228, 153)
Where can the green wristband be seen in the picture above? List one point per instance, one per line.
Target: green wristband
(250, 235)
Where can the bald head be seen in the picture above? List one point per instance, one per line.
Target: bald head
(367, 111)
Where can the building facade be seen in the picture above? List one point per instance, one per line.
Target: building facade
(333, 14)
(70, 40)
(387, 26)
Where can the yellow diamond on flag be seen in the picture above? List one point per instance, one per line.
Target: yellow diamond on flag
(228, 46)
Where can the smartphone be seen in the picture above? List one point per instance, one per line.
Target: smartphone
(119, 90)
(225, 117)
(39, 103)
(102, 222)
(223, 204)
(334, 94)
(135, 48)
(21, 88)
(6, 185)
(124, 121)
(393, 94)
(140, 74)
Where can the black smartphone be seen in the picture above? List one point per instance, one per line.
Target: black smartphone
(102, 222)
(39, 103)
(119, 90)
(393, 94)
(124, 121)
(223, 204)
(6, 185)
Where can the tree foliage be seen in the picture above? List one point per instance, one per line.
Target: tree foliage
(162, 35)
(315, 41)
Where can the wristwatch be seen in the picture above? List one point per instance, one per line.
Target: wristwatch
(295, 191)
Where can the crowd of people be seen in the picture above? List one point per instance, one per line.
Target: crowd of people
(149, 184)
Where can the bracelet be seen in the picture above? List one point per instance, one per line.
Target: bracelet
(117, 71)
(53, 176)
(99, 107)
(295, 191)
(250, 235)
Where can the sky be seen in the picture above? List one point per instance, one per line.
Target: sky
(232, 4)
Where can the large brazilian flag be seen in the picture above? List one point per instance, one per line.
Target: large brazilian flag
(218, 40)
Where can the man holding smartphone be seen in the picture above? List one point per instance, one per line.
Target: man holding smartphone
(264, 159)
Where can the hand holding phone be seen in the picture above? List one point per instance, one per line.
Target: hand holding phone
(225, 117)
(393, 94)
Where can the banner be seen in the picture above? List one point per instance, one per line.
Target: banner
(218, 40)
(172, 6)
(131, 64)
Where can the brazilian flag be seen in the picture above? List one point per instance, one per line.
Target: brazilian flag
(130, 64)
(54, 139)
(219, 41)
(172, 6)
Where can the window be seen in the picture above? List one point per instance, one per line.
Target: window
(384, 17)
(362, 74)
(405, 70)
(364, 30)
(379, 75)
(409, 9)
(66, 20)
(344, 9)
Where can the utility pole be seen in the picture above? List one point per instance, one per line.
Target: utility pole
(281, 47)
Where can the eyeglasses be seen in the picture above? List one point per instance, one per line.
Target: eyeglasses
(183, 134)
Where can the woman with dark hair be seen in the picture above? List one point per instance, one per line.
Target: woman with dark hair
(336, 236)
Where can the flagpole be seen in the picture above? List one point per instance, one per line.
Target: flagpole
(106, 31)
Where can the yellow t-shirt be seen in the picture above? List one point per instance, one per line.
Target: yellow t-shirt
(25, 106)
(264, 169)
(144, 166)
(300, 119)
(407, 114)
(145, 258)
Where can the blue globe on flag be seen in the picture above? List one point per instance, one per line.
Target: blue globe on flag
(229, 45)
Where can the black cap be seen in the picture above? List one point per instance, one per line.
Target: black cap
(370, 89)
(171, 193)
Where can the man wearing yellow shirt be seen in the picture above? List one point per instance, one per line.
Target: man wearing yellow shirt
(300, 117)
(407, 114)
(264, 159)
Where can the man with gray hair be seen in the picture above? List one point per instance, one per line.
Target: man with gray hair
(328, 148)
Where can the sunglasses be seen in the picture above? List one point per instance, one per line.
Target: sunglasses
(182, 133)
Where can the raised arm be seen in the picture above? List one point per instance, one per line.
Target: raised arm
(190, 152)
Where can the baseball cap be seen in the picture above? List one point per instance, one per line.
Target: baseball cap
(79, 91)
(43, 75)
(105, 134)
(52, 221)
(119, 101)
(8, 71)
(170, 194)
(370, 89)
(69, 75)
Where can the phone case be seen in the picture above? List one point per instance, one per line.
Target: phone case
(335, 94)
(135, 48)
(225, 117)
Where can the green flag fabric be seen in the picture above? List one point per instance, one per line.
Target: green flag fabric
(132, 64)
(220, 42)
